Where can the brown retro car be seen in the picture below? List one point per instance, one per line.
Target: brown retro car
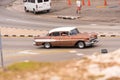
(66, 36)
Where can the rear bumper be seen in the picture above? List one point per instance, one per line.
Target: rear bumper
(39, 9)
(91, 42)
(37, 43)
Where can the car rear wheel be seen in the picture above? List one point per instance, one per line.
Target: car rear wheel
(25, 9)
(47, 45)
(81, 45)
(48, 10)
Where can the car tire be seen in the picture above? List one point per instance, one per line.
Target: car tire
(81, 45)
(34, 11)
(47, 45)
(48, 10)
(25, 9)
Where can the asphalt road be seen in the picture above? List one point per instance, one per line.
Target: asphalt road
(5, 2)
(21, 49)
(46, 21)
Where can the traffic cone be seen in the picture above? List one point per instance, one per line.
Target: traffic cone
(83, 3)
(69, 2)
(105, 2)
(89, 3)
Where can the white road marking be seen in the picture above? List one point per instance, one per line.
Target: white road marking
(26, 52)
(24, 21)
(26, 61)
(15, 20)
(79, 54)
(31, 22)
(72, 51)
(93, 24)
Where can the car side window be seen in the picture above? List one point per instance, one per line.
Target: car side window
(55, 34)
(46, 0)
(64, 33)
(40, 1)
(32, 1)
(74, 32)
(28, 0)
(24, 0)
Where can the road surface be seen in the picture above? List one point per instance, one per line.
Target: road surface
(21, 49)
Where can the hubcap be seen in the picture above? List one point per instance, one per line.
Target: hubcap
(81, 45)
(47, 45)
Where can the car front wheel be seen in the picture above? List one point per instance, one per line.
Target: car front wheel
(47, 45)
(34, 11)
(81, 45)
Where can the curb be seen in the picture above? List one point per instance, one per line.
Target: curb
(31, 36)
(8, 32)
(18, 36)
(112, 35)
(68, 17)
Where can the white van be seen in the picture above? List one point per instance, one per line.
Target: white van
(37, 5)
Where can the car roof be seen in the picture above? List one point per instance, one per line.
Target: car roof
(62, 29)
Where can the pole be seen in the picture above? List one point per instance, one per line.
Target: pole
(2, 62)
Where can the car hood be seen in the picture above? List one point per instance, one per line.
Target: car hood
(87, 35)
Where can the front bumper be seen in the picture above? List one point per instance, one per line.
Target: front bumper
(91, 42)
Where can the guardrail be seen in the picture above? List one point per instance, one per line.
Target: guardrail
(24, 35)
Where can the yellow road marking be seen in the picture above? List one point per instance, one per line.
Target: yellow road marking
(100, 6)
(38, 51)
(49, 51)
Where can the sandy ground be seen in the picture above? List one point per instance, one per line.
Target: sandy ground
(95, 67)
(97, 12)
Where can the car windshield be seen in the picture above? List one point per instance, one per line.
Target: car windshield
(74, 32)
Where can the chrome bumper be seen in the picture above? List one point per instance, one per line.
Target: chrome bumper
(91, 42)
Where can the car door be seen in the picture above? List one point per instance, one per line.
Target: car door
(65, 39)
(40, 4)
(46, 4)
(32, 5)
(55, 39)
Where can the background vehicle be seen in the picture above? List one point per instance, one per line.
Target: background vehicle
(37, 5)
(66, 36)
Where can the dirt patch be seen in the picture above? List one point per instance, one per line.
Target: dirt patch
(96, 67)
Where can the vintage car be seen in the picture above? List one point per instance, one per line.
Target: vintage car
(66, 36)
